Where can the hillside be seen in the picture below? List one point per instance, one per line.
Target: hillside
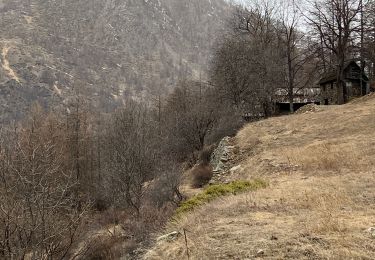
(106, 51)
(320, 199)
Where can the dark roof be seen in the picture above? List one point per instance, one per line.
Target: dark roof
(332, 75)
(328, 77)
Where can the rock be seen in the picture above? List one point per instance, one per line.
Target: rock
(274, 237)
(169, 237)
(237, 168)
(260, 252)
(371, 231)
(222, 155)
(224, 158)
(220, 167)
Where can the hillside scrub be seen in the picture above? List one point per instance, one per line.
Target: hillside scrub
(125, 168)
(43, 206)
(192, 119)
(57, 170)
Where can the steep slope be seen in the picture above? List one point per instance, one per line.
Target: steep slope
(320, 202)
(105, 50)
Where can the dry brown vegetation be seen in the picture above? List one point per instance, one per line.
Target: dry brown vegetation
(200, 175)
(320, 201)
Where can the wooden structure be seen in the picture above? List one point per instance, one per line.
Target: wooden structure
(353, 79)
(301, 97)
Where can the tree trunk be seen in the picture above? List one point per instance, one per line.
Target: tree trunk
(341, 87)
(291, 89)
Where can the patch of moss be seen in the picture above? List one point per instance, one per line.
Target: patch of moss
(215, 191)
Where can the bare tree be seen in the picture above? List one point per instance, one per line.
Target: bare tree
(189, 116)
(368, 37)
(289, 28)
(38, 209)
(336, 22)
(131, 155)
(249, 65)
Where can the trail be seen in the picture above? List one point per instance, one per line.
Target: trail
(6, 65)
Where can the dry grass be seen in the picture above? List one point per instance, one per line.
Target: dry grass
(320, 201)
(325, 206)
(327, 156)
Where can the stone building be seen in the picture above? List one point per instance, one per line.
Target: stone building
(331, 95)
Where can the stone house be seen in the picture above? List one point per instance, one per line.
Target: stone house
(330, 94)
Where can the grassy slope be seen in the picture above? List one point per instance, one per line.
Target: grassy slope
(320, 202)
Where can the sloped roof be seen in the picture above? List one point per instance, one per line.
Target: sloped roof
(300, 95)
(332, 75)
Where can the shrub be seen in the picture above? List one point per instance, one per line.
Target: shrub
(101, 204)
(219, 190)
(205, 154)
(201, 175)
(107, 248)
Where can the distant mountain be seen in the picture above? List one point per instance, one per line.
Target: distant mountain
(105, 50)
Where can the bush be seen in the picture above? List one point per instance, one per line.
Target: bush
(101, 250)
(201, 175)
(101, 204)
(205, 154)
(109, 247)
(219, 190)
(228, 125)
(120, 233)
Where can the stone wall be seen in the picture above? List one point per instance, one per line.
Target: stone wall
(329, 94)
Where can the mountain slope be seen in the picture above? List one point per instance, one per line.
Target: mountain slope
(105, 50)
(319, 205)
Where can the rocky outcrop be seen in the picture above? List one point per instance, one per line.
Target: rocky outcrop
(220, 156)
(222, 160)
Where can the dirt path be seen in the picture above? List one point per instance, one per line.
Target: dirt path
(6, 65)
